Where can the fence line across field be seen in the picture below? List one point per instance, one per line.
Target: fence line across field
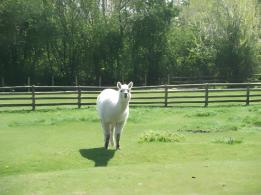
(160, 95)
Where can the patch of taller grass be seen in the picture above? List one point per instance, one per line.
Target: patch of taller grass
(227, 140)
(160, 136)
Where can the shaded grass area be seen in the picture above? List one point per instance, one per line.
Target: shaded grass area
(59, 151)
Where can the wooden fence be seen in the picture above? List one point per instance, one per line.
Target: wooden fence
(162, 95)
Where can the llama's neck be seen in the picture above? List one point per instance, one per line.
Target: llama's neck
(123, 104)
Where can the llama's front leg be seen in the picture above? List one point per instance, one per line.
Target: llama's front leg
(106, 131)
(118, 130)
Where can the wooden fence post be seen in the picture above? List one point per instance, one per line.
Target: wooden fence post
(166, 96)
(79, 97)
(33, 97)
(206, 95)
(247, 94)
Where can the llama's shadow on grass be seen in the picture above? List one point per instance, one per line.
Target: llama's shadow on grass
(100, 156)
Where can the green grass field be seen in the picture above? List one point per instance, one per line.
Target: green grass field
(59, 151)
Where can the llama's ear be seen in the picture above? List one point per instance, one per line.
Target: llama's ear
(119, 85)
(130, 85)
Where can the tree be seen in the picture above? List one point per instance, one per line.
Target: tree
(149, 34)
(127, 40)
(228, 29)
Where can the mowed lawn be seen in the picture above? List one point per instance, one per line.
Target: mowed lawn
(59, 151)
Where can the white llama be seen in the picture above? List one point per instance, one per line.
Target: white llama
(113, 110)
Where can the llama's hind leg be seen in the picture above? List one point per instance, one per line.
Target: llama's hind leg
(118, 130)
(118, 136)
(112, 127)
(106, 131)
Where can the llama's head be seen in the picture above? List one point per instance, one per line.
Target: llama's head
(124, 90)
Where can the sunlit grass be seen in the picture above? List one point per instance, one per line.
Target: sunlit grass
(195, 149)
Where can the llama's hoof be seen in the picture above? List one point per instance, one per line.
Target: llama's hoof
(118, 148)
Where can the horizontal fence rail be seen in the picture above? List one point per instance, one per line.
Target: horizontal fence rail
(161, 95)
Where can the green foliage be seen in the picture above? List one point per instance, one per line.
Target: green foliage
(220, 38)
(127, 40)
(236, 40)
